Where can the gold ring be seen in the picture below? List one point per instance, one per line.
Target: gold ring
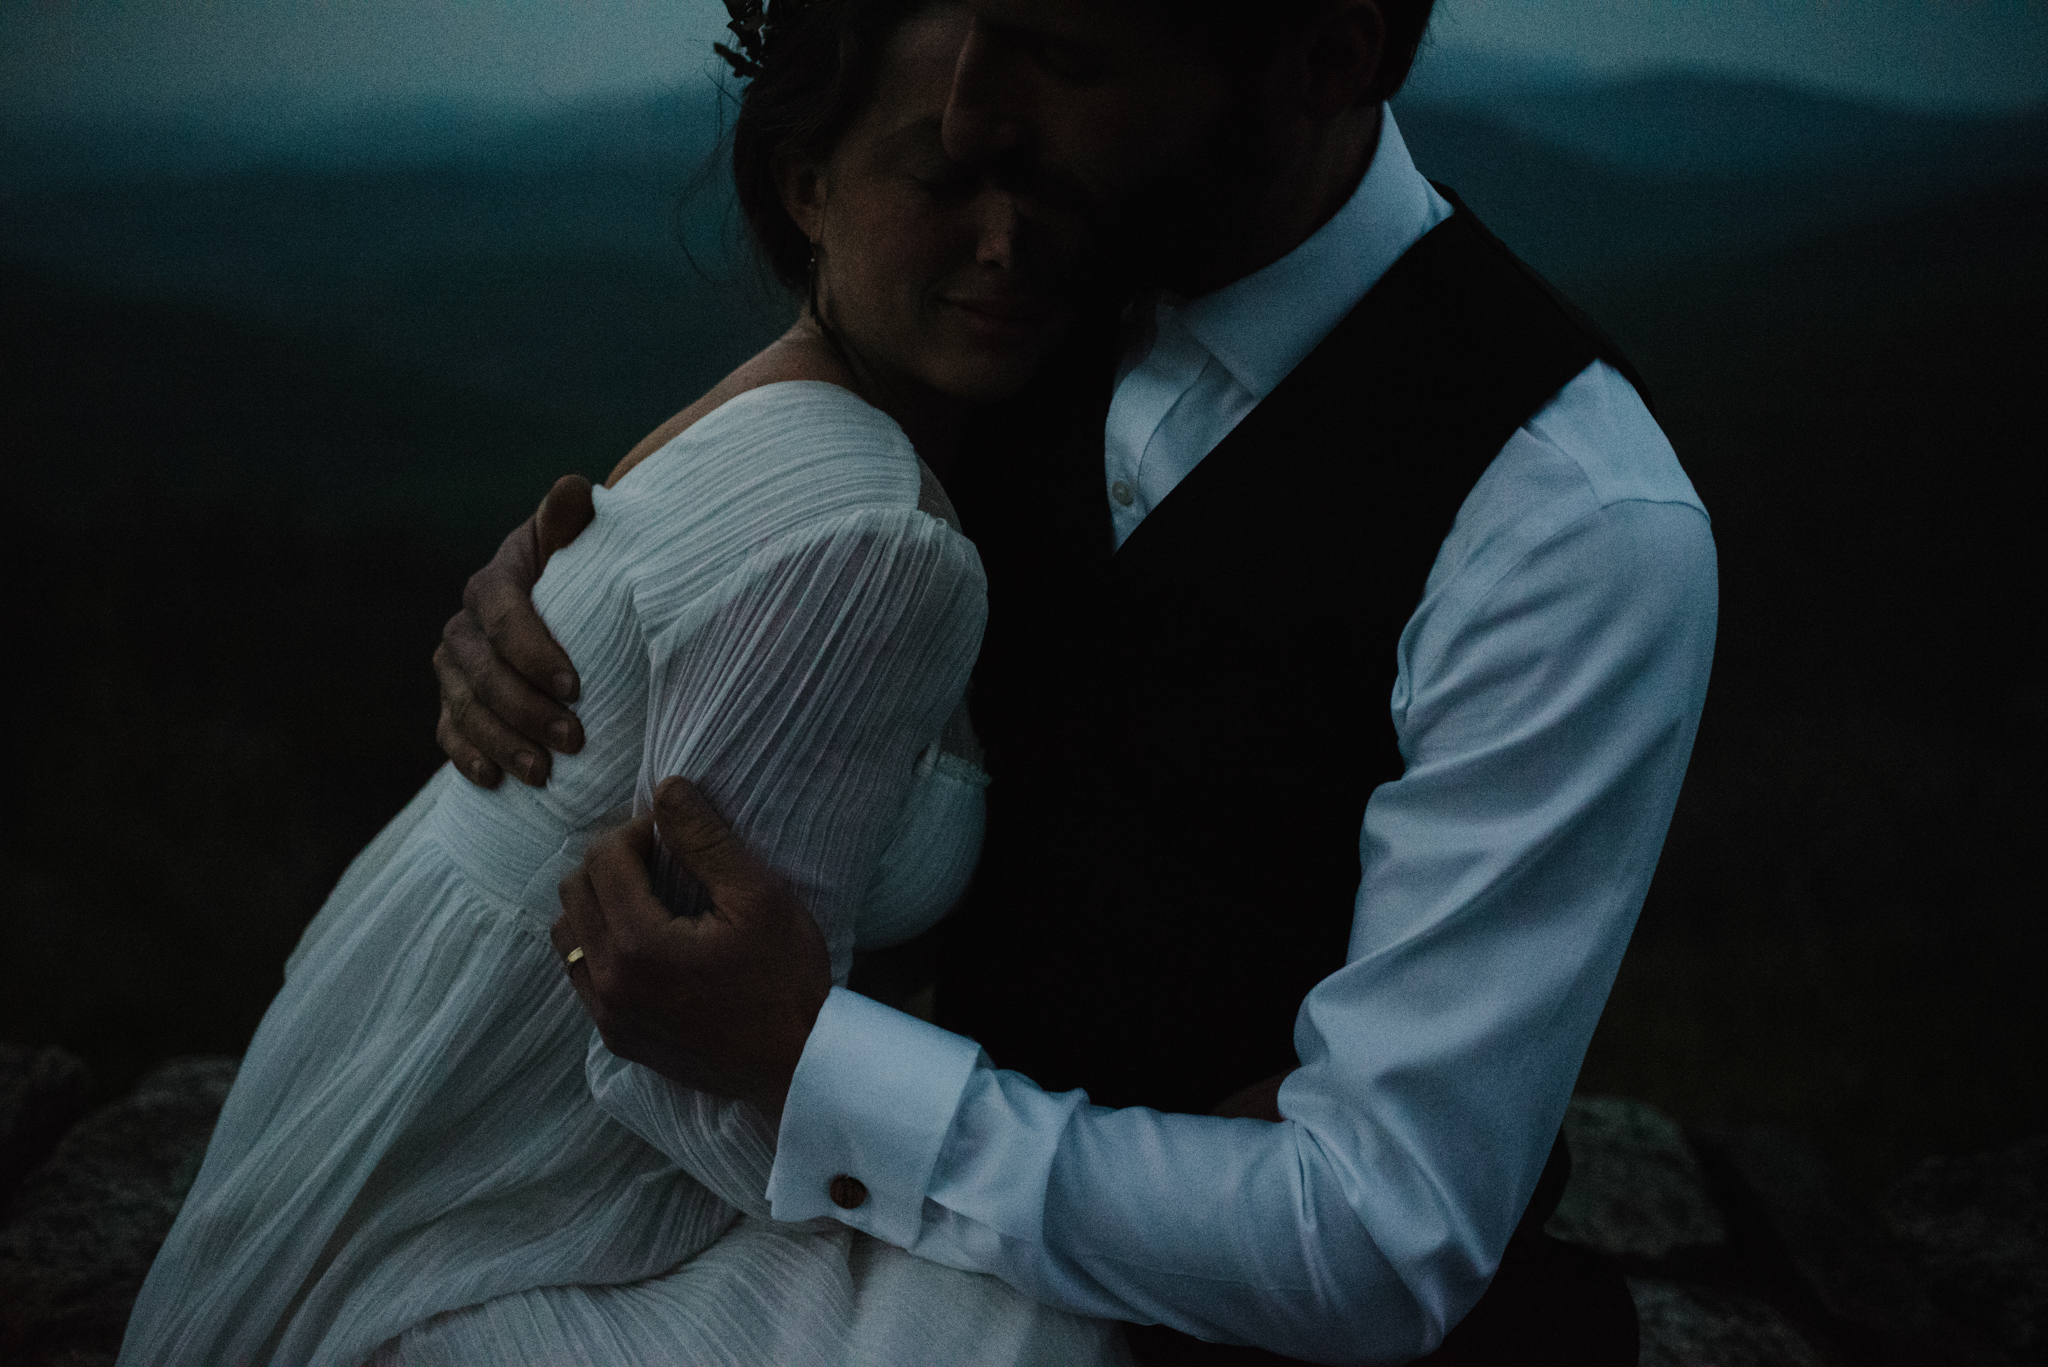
(575, 957)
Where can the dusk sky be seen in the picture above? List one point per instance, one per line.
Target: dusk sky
(101, 62)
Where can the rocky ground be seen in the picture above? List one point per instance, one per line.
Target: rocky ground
(1740, 1248)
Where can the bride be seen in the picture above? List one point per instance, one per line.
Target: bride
(428, 1156)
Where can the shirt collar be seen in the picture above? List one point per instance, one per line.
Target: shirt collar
(1262, 326)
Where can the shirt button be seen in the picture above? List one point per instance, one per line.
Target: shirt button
(1121, 492)
(848, 1193)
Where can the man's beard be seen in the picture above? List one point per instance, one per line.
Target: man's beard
(1172, 231)
(1173, 227)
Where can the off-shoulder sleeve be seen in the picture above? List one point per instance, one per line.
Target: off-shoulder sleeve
(799, 695)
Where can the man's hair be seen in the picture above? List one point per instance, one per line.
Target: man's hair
(813, 69)
(1234, 32)
(1407, 21)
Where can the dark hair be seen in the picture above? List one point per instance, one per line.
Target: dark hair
(1407, 21)
(1235, 34)
(817, 70)
(815, 74)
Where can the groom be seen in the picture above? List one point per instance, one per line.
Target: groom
(1353, 456)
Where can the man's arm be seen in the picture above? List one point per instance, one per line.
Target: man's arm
(505, 683)
(1550, 684)
(639, 961)
(1546, 735)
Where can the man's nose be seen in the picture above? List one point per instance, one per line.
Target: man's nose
(997, 245)
(980, 119)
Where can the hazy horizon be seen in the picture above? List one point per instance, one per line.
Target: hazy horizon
(262, 66)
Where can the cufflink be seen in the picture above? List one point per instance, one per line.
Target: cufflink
(847, 1193)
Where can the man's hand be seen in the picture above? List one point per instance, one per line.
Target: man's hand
(723, 1001)
(505, 684)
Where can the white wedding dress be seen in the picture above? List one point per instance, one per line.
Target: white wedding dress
(428, 1156)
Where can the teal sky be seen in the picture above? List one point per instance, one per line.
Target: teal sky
(1983, 54)
(108, 62)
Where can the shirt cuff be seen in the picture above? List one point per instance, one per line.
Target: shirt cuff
(873, 1098)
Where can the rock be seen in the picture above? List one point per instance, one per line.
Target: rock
(85, 1226)
(1977, 1227)
(1636, 1191)
(42, 1091)
(1685, 1325)
(1855, 1272)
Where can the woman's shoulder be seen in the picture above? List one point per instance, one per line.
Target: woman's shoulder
(809, 439)
(768, 460)
(797, 386)
(746, 487)
(807, 423)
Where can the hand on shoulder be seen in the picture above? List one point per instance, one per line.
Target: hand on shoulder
(506, 685)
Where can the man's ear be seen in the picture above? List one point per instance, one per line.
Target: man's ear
(800, 180)
(1338, 56)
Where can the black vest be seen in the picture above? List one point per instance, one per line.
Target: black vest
(1183, 734)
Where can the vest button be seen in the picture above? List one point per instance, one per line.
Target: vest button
(848, 1193)
(1121, 492)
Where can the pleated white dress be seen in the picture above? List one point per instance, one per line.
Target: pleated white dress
(428, 1156)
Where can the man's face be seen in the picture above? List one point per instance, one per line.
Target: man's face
(1101, 105)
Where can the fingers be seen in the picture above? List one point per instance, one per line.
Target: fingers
(700, 840)
(612, 977)
(470, 762)
(615, 866)
(720, 1003)
(504, 679)
(581, 924)
(500, 597)
(496, 710)
(563, 937)
(563, 515)
(473, 729)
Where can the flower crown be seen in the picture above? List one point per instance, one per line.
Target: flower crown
(752, 28)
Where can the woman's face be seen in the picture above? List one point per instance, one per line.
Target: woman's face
(928, 270)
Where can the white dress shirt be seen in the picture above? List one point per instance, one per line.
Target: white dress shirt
(1548, 689)
(1204, 363)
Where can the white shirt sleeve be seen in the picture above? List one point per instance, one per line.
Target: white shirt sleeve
(1550, 687)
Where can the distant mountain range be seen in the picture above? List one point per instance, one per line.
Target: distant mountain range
(1595, 179)
(1699, 123)
(263, 419)
(1578, 173)
(538, 262)
(618, 131)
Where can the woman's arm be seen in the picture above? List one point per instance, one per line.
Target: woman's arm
(796, 702)
(799, 702)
